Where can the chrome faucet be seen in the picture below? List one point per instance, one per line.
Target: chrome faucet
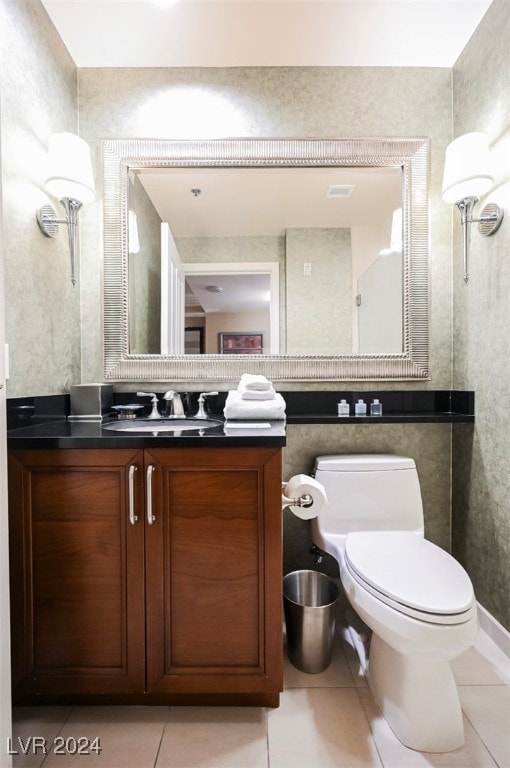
(154, 414)
(201, 413)
(176, 406)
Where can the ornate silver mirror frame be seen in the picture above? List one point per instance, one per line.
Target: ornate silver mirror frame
(412, 154)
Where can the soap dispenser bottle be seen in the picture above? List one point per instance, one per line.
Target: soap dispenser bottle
(360, 409)
(376, 408)
(343, 408)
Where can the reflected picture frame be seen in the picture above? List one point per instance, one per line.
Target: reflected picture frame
(233, 343)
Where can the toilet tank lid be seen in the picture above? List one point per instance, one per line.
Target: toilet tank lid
(363, 462)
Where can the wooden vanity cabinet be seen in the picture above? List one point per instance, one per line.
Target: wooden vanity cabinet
(77, 574)
(146, 576)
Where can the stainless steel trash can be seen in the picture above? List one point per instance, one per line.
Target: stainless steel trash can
(309, 601)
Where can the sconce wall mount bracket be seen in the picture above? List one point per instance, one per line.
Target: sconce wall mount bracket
(47, 220)
(490, 219)
(488, 223)
(48, 223)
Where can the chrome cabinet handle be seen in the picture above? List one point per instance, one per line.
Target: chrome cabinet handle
(131, 494)
(150, 471)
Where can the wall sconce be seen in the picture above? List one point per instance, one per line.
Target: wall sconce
(396, 231)
(466, 177)
(396, 234)
(69, 178)
(133, 239)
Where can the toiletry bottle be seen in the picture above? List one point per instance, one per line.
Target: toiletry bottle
(343, 408)
(360, 409)
(376, 408)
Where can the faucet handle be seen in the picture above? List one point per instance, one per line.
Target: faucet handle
(203, 395)
(152, 395)
(201, 414)
(154, 414)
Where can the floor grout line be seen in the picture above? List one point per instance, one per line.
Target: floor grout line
(161, 739)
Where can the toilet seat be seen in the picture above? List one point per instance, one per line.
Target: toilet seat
(411, 575)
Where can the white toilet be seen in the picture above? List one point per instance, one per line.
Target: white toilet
(417, 600)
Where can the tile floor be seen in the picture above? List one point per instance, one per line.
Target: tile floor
(327, 720)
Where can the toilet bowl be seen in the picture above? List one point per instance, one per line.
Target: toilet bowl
(415, 597)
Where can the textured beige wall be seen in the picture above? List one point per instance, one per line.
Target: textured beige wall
(481, 459)
(428, 444)
(283, 102)
(42, 307)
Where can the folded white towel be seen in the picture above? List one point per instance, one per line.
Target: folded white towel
(254, 381)
(237, 408)
(252, 394)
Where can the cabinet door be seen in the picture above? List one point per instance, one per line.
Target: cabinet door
(214, 623)
(77, 572)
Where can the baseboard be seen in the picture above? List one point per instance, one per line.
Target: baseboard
(494, 630)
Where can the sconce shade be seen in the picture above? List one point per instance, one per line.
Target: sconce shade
(69, 168)
(467, 168)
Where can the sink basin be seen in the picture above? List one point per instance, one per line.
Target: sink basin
(161, 425)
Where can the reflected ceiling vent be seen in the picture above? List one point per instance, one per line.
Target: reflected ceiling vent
(340, 190)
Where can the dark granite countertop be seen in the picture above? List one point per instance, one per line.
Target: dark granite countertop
(63, 433)
(398, 407)
(41, 422)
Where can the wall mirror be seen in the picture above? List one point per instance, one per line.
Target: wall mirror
(304, 259)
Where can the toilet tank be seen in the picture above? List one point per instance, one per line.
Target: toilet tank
(369, 492)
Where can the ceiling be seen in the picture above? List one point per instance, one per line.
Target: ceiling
(234, 33)
(244, 202)
(227, 293)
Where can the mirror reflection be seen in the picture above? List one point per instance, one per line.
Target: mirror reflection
(297, 261)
